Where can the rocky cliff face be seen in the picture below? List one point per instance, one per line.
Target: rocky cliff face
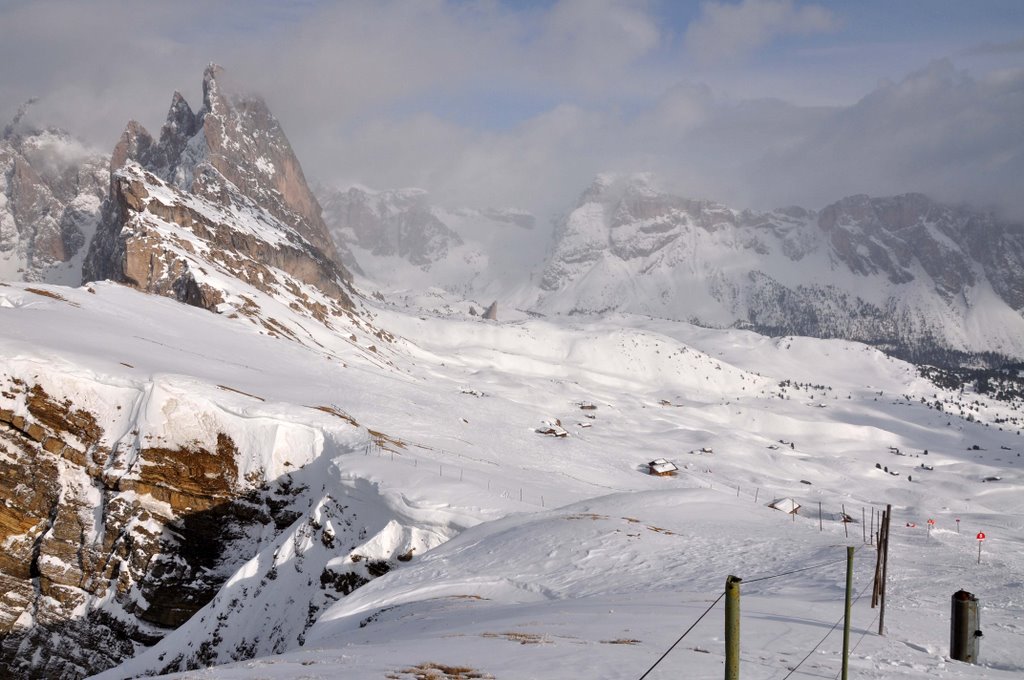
(51, 189)
(142, 499)
(903, 272)
(910, 236)
(198, 251)
(113, 532)
(220, 197)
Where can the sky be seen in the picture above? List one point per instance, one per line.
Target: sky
(756, 103)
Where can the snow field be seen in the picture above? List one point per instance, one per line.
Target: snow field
(569, 586)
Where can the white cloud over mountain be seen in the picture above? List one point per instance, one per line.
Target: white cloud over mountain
(500, 104)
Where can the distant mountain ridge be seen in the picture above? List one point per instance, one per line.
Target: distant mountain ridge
(905, 273)
(401, 238)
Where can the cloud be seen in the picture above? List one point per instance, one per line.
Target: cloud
(939, 131)
(489, 104)
(1014, 47)
(725, 32)
(590, 42)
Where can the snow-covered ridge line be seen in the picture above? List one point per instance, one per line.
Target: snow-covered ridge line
(904, 273)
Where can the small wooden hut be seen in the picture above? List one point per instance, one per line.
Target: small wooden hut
(662, 468)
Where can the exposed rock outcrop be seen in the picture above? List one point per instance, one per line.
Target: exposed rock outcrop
(184, 246)
(51, 189)
(112, 539)
(221, 192)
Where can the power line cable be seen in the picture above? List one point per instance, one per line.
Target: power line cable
(755, 580)
(830, 630)
(682, 636)
(860, 639)
(794, 571)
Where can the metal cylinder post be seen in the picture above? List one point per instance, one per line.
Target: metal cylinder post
(732, 628)
(965, 628)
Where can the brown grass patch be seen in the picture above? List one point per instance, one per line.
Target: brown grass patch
(586, 515)
(659, 530)
(338, 413)
(52, 295)
(232, 389)
(521, 638)
(382, 440)
(620, 641)
(46, 293)
(438, 671)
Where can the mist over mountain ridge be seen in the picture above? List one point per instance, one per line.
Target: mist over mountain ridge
(924, 280)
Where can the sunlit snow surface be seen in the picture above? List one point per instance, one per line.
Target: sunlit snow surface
(555, 558)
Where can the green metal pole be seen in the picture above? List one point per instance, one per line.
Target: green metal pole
(732, 628)
(846, 618)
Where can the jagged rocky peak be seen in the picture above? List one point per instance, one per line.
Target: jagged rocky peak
(237, 135)
(629, 198)
(220, 198)
(51, 188)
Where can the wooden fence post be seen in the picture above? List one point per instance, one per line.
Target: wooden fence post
(885, 567)
(732, 628)
(846, 617)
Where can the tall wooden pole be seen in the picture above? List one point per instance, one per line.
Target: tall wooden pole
(887, 521)
(846, 618)
(876, 588)
(732, 628)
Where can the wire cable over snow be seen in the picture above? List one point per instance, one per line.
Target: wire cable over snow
(793, 571)
(647, 672)
(755, 580)
(830, 631)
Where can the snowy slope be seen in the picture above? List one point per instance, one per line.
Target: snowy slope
(546, 557)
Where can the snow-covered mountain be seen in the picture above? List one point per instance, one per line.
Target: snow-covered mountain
(400, 239)
(128, 503)
(51, 188)
(904, 273)
(284, 478)
(217, 211)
